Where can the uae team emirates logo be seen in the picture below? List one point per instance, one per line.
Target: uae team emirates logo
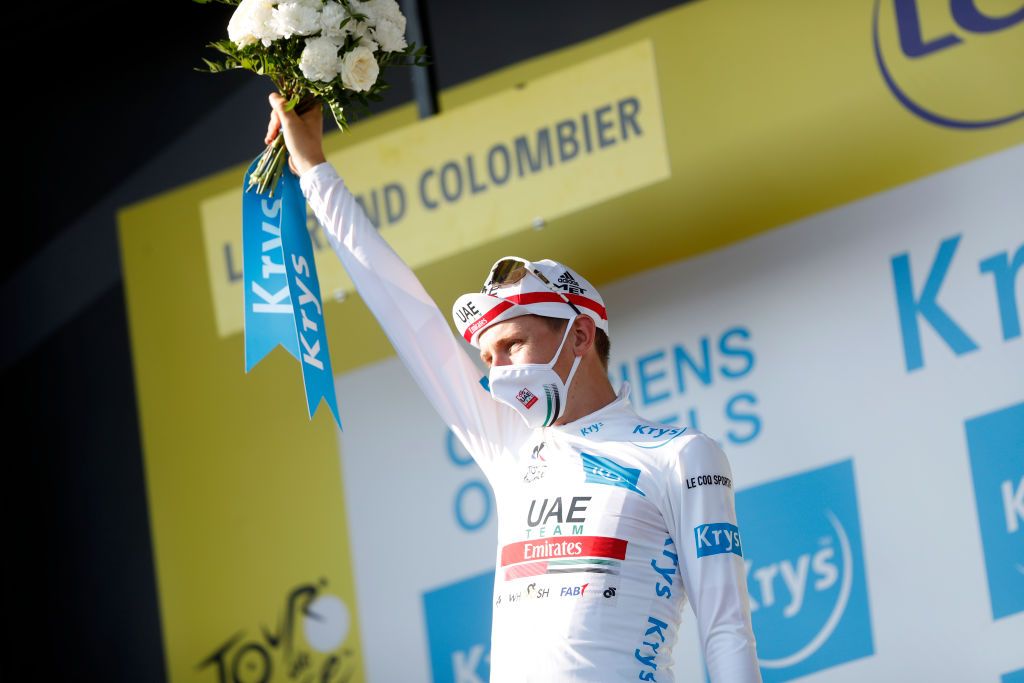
(526, 398)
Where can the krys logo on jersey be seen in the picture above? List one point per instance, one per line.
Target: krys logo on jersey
(805, 571)
(995, 442)
(667, 383)
(954, 64)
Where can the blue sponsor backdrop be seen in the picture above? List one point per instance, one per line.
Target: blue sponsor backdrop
(930, 340)
(805, 571)
(996, 445)
(459, 628)
(1013, 677)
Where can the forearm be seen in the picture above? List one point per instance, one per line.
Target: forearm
(408, 315)
(729, 646)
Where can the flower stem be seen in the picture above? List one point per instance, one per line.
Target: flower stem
(270, 167)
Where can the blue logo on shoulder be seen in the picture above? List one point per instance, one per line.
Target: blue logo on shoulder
(604, 471)
(656, 433)
(716, 539)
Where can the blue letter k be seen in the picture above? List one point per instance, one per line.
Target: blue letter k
(926, 306)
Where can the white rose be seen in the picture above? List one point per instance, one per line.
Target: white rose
(377, 10)
(296, 18)
(359, 70)
(389, 9)
(330, 19)
(252, 21)
(366, 8)
(319, 60)
(361, 30)
(390, 36)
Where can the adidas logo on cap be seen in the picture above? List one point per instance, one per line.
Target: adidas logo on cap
(567, 282)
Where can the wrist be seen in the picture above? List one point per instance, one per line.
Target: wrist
(303, 165)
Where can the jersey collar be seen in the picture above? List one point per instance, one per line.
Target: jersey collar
(619, 406)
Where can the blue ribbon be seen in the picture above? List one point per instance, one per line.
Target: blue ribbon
(282, 293)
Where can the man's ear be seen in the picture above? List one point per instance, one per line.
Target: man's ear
(583, 335)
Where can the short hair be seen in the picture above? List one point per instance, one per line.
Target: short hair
(602, 344)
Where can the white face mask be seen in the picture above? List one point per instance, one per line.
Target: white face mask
(534, 390)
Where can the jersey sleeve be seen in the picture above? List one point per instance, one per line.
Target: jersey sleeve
(702, 519)
(409, 317)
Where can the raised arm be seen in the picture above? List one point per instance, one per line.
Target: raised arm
(702, 511)
(411, 320)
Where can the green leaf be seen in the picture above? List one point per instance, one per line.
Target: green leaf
(339, 114)
(214, 67)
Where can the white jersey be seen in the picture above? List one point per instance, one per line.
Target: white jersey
(606, 525)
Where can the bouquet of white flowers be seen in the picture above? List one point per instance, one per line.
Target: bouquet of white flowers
(314, 51)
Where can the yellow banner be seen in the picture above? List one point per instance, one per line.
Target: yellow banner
(953, 64)
(535, 152)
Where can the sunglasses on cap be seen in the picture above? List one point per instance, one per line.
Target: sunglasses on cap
(508, 271)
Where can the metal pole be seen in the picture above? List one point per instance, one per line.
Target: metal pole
(424, 80)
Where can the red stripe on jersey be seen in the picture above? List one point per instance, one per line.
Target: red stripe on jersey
(563, 546)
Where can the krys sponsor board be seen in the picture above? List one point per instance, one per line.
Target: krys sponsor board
(792, 351)
(996, 445)
(805, 572)
(458, 621)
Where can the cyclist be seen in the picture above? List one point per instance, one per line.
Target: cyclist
(607, 523)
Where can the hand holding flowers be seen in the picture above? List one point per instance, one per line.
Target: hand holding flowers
(315, 52)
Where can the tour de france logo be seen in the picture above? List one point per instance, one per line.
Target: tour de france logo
(305, 641)
(954, 63)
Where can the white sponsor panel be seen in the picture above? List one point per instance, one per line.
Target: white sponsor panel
(868, 333)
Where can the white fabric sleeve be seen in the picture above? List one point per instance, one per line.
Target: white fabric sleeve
(409, 317)
(715, 582)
